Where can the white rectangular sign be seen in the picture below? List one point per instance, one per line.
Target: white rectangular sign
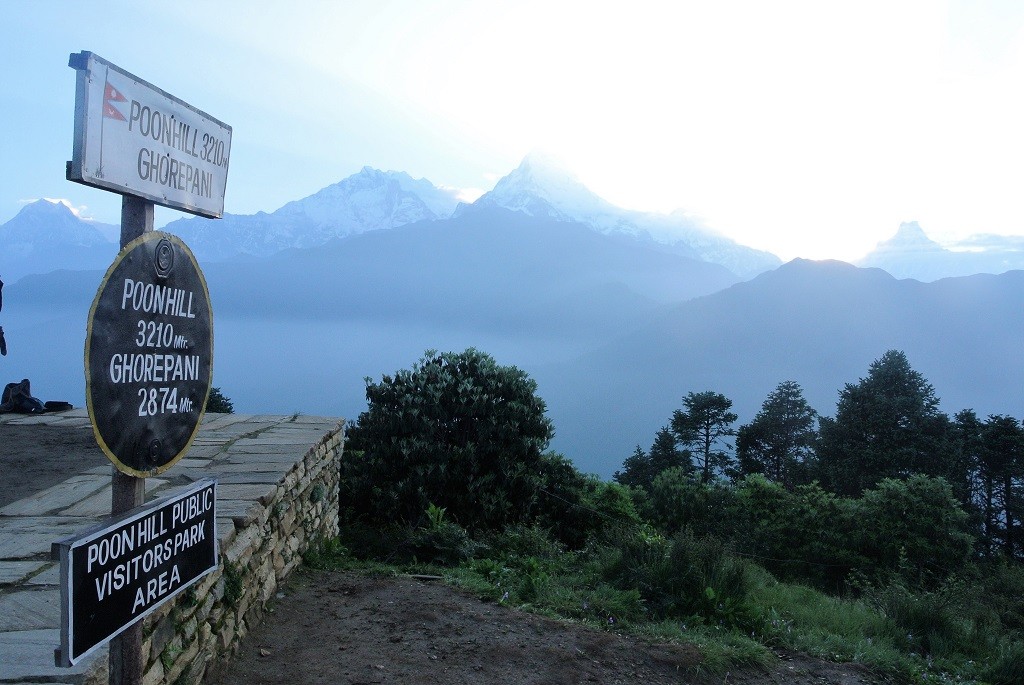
(133, 138)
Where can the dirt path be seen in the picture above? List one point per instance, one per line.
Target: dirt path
(345, 629)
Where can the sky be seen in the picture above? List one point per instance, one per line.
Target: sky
(809, 129)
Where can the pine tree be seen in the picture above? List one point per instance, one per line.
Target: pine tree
(665, 453)
(888, 425)
(636, 470)
(780, 440)
(704, 424)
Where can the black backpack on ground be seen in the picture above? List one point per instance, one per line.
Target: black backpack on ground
(17, 399)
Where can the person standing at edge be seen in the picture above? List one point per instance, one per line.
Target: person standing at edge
(3, 341)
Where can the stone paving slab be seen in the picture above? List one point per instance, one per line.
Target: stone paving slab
(264, 448)
(13, 571)
(230, 467)
(27, 656)
(203, 451)
(28, 537)
(30, 610)
(282, 435)
(247, 493)
(277, 457)
(98, 505)
(241, 511)
(50, 576)
(58, 497)
(30, 419)
(249, 478)
(191, 463)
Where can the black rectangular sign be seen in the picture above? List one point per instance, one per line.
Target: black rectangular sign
(116, 573)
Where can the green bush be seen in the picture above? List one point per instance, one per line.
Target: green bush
(446, 543)
(218, 403)
(926, 623)
(915, 528)
(679, 500)
(457, 430)
(803, 534)
(707, 580)
(522, 542)
(1007, 665)
(687, 576)
(1000, 590)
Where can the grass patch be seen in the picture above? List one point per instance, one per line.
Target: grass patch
(523, 569)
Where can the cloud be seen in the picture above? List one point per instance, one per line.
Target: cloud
(467, 195)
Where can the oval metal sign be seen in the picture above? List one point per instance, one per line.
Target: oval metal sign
(149, 355)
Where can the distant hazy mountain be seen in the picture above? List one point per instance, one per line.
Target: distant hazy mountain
(299, 330)
(366, 201)
(538, 187)
(490, 268)
(912, 254)
(604, 326)
(45, 236)
(820, 324)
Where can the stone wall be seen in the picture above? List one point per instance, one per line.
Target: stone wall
(194, 635)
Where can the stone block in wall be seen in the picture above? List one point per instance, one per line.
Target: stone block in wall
(182, 661)
(155, 674)
(162, 634)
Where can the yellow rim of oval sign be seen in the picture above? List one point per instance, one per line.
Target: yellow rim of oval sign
(122, 255)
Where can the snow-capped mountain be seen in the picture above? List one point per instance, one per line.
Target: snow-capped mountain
(371, 200)
(374, 200)
(47, 235)
(912, 254)
(538, 187)
(367, 201)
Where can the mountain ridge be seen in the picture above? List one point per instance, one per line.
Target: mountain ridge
(910, 253)
(46, 232)
(371, 200)
(298, 331)
(537, 187)
(819, 323)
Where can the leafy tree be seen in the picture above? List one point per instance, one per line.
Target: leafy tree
(965, 445)
(457, 431)
(704, 424)
(780, 440)
(888, 425)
